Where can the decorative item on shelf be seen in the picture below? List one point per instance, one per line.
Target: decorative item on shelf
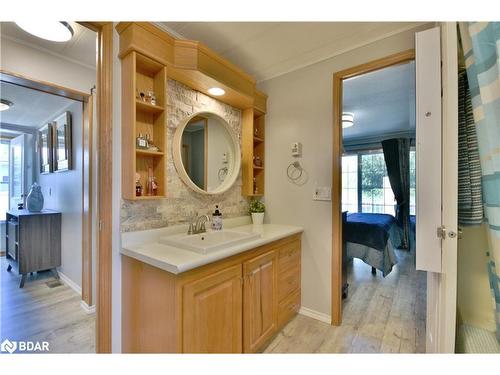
(257, 161)
(151, 146)
(152, 185)
(34, 202)
(140, 96)
(138, 185)
(256, 132)
(255, 188)
(141, 142)
(257, 209)
(152, 97)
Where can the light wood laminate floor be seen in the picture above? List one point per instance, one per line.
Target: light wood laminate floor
(380, 315)
(40, 313)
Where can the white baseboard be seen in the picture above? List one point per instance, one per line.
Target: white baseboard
(315, 315)
(88, 309)
(66, 280)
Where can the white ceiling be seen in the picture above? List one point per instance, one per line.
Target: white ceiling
(382, 102)
(269, 49)
(31, 108)
(81, 49)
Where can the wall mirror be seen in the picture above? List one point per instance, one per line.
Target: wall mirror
(207, 153)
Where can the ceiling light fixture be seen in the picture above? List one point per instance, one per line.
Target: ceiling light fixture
(347, 120)
(55, 31)
(5, 104)
(216, 91)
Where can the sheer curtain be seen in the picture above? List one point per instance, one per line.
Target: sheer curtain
(481, 43)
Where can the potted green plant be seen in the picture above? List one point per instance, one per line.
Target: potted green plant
(257, 209)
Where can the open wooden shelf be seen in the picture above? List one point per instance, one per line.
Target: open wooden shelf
(142, 74)
(148, 107)
(148, 152)
(253, 145)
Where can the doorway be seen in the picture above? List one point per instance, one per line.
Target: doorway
(373, 262)
(103, 167)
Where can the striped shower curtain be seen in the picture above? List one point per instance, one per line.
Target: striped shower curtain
(481, 44)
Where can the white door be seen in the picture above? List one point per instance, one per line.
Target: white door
(437, 154)
(21, 169)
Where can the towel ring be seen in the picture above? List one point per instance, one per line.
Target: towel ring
(296, 167)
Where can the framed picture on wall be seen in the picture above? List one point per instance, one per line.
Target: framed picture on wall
(61, 130)
(45, 149)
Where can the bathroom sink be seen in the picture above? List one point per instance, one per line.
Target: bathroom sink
(209, 242)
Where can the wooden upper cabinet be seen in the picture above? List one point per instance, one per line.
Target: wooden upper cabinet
(212, 316)
(260, 314)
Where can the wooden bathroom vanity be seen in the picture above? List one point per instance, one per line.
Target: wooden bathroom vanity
(234, 305)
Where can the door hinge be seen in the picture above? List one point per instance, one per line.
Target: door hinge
(441, 232)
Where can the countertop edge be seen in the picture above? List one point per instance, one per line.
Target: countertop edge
(211, 258)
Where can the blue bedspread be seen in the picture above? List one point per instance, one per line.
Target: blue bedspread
(368, 229)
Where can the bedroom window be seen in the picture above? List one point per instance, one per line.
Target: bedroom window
(376, 192)
(350, 183)
(367, 170)
(413, 184)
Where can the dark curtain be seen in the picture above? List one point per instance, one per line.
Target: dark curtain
(397, 160)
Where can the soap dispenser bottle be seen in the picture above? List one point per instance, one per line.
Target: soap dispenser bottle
(217, 219)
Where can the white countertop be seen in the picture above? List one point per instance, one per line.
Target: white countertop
(144, 245)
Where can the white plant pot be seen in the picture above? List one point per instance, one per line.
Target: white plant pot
(257, 218)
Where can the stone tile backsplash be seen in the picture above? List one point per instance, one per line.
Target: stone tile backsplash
(182, 102)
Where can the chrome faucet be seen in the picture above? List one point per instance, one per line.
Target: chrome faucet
(200, 224)
(197, 224)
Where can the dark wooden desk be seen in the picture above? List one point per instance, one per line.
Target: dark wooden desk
(33, 241)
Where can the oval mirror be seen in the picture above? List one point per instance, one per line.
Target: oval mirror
(206, 153)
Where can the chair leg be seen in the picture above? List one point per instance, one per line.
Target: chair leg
(374, 271)
(23, 279)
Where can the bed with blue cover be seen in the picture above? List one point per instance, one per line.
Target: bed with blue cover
(373, 238)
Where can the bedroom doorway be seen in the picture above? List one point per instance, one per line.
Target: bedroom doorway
(374, 251)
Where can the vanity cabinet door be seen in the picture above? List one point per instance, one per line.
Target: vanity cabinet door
(260, 300)
(212, 316)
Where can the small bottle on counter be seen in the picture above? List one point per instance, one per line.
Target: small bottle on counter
(217, 219)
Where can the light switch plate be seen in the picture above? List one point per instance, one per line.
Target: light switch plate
(322, 193)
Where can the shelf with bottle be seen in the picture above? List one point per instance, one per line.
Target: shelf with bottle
(146, 185)
(144, 145)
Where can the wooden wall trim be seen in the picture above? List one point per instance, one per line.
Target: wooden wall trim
(336, 287)
(87, 200)
(105, 173)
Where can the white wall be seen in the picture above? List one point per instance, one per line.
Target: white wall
(36, 64)
(62, 192)
(300, 109)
